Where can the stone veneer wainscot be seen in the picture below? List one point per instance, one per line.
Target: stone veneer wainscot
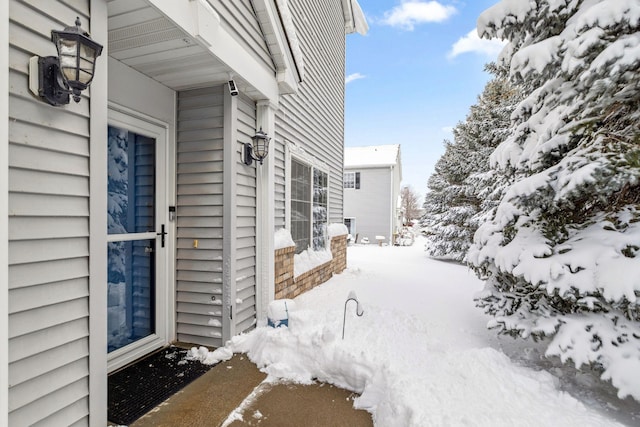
(288, 286)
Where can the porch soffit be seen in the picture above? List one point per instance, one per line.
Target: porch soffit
(149, 41)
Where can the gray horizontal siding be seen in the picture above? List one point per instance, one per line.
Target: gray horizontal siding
(314, 117)
(48, 232)
(199, 216)
(278, 153)
(245, 262)
(239, 19)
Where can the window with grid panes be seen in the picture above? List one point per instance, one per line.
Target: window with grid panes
(309, 203)
(351, 180)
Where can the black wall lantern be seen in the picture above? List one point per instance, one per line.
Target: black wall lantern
(258, 149)
(71, 71)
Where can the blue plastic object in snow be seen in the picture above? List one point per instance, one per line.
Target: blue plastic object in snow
(278, 312)
(278, 323)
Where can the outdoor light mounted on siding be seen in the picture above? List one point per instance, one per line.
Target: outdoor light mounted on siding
(56, 78)
(257, 150)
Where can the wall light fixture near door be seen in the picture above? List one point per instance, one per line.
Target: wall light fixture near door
(257, 150)
(55, 78)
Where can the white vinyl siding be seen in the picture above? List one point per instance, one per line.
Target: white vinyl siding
(48, 232)
(313, 118)
(199, 216)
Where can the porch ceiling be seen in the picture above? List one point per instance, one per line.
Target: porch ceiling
(147, 41)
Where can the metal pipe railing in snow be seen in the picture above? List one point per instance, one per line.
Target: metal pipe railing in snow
(359, 310)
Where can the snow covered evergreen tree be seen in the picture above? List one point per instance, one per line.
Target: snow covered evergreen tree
(562, 254)
(446, 208)
(487, 125)
(464, 189)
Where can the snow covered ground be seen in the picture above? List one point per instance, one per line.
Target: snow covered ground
(421, 355)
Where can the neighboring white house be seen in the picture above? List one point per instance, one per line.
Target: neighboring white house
(371, 183)
(129, 220)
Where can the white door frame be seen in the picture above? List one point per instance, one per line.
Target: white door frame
(352, 220)
(144, 125)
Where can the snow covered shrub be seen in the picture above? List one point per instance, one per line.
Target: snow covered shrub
(464, 189)
(561, 255)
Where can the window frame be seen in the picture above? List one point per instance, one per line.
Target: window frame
(355, 181)
(294, 153)
(352, 227)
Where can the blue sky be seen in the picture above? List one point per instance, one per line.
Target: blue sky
(413, 77)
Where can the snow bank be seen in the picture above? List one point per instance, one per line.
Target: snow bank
(283, 239)
(308, 260)
(337, 230)
(420, 355)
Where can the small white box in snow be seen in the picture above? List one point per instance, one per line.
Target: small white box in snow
(278, 312)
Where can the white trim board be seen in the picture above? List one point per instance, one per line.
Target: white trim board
(265, 238)
(198, 19)
(98, 224)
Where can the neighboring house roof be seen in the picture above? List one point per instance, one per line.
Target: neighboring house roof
(377, 155)
(373, 156)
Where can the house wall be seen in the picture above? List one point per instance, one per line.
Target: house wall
(201, 299)
(199, 216)
(48, 232)
(371, 204)
(396, 215)
(245, 223)
(314, 117)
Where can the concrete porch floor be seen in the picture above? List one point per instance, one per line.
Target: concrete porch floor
(209, 400)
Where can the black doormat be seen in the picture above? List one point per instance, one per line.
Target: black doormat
(137, 389)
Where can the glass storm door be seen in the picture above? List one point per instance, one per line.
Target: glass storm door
(136, 238)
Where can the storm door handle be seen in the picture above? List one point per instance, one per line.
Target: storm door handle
(162, 233)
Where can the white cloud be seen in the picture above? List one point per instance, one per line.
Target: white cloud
(447, 129)
(473, 43)
(352, 77)
(413, 12)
